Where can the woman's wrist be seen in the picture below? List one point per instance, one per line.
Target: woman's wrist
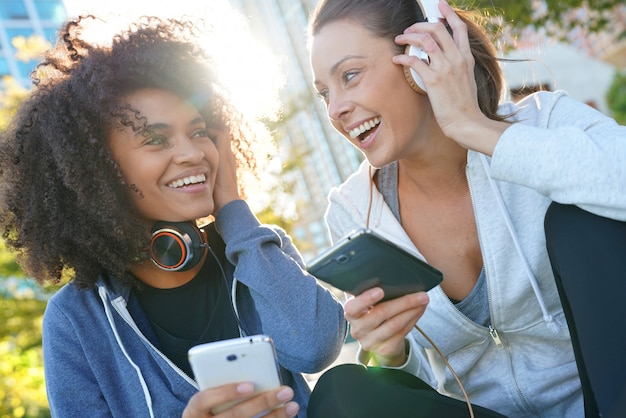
(481, 136)
(396, 360)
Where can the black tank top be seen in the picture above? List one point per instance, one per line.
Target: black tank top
(197, 312)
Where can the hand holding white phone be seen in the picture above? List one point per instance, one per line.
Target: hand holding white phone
(245, 359)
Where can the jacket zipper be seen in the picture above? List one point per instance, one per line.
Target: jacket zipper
(495, 337)
(492, 331)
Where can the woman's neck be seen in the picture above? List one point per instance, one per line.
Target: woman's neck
(147, 272)
(440, 172)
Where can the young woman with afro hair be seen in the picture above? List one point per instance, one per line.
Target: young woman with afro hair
(117, 152)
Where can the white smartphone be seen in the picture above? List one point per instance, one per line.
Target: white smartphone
(245, 359)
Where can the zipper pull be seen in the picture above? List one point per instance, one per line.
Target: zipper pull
(495, 337)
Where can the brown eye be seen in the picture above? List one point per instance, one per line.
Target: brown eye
(202, 133)
(349, 75)
(322, 94)
(155, 139)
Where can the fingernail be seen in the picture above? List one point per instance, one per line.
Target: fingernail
(284, 395)
(245, 388)
(292, 409)
(422, 297)
(377, 293)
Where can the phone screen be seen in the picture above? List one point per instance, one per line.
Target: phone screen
(364, 259)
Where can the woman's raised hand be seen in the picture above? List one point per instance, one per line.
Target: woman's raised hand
(449, 78)
(226, 187)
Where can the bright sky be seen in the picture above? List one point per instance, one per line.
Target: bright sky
(254, 78)
(137, 7)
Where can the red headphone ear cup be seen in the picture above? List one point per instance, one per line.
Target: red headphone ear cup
(168, 249)
(177, 246)
(409, 77)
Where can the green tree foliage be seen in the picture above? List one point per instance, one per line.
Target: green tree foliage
(590, 25)
(558, 16)
(616, 97)
(11, 92)
(22, 392)
(8, 265)
(22, 301)
(11, 95)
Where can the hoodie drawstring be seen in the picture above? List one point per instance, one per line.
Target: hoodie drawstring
(551, 322)
(146, 393)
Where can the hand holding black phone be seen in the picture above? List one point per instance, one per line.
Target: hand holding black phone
(363, 260)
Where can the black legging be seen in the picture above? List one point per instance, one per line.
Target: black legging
(588, 256)
(353, 391)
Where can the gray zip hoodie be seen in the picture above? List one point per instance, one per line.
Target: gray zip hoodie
(522, 365)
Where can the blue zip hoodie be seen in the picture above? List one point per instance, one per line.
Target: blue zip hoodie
(101, 357)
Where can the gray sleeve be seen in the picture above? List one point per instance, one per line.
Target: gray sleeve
(567, 151)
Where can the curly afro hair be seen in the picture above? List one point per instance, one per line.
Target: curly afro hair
(65, 206)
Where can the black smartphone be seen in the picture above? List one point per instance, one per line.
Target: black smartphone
(363, 259)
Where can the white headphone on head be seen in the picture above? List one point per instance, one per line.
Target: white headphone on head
(431, 13)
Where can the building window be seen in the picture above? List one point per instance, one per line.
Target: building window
(13, 9)
(4, 67)
(51, 35)
(13, 33)
(50, 10)
(24, 68)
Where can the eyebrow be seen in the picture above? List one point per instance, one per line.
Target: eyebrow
(333, 69)
(157, 126)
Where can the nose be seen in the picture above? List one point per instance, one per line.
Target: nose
(187, 151)
(338, 106)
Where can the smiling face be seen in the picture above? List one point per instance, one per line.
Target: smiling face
(367, 97)
(172, 164)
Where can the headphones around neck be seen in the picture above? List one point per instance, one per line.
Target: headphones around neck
(177, 246)
(431, 13)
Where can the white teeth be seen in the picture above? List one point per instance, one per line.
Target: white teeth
(365, 126)
(201, 178)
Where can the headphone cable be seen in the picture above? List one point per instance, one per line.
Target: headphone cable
(469, 404)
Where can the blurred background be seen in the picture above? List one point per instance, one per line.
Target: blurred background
(572, 45)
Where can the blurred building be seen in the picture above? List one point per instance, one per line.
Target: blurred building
(324, 158)
(557, 66)
(23, 18)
